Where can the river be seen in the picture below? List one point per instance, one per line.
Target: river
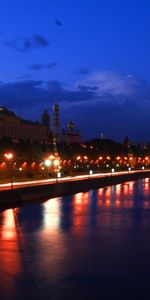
(91, 245)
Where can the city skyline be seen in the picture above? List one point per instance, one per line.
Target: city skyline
(91, 58)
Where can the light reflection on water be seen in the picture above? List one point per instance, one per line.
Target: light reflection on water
(95, 239)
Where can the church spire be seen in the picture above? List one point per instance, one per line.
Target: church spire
(56, 121)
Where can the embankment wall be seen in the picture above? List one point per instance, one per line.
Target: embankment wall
(40, 193)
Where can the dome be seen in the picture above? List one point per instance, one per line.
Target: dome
(70, 125)
(56, 108)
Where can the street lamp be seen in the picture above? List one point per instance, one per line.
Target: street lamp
(112, 171)
(75, 166)
(58, 176)
(47, 162)
(9, 157)
(90, 173)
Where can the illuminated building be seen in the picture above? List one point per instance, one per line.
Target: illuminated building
(12, 126)
(16, 128)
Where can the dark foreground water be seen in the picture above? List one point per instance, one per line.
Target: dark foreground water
(93, 245)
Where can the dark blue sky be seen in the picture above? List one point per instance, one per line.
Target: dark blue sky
(92, 57)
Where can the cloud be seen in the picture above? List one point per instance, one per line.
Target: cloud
(31, 92)
(58, 23)
(38, 67)
(100, 87)
(108, 102)
(39, 41)
(20, 93)
(26, 44)
(110, 83)
(97, 88)
(84, 88)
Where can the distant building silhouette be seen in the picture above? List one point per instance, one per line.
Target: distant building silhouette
(56, 122)
(45, 119)
(126, 142)
(70, 135)
(16, 128)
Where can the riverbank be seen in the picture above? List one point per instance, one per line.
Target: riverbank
(40, 193)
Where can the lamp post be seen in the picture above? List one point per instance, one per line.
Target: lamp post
(47, 163)
(58, 176)
(9, 157)
(52, 163)
(75, 166)
(90, 173)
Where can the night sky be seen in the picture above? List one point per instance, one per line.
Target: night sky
(92, 57)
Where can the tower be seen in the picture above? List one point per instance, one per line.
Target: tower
(101, 136)
(70, 127)
(56, 122)
(45, 118)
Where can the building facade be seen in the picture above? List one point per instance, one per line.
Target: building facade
(12, 126)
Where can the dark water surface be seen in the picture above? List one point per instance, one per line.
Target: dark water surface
(93, 245)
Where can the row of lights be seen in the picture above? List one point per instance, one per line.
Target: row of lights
(52, 161)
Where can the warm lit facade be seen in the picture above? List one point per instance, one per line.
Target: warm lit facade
(12, 126)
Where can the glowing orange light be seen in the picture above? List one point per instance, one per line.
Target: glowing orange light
(78, 157)
(8, 155)
(108, 157)
(9, 230)
(107, 202)
(118, 202)
(51, 157)
(78, 198)
(85, 157)
(56, 162)
(3, 164)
